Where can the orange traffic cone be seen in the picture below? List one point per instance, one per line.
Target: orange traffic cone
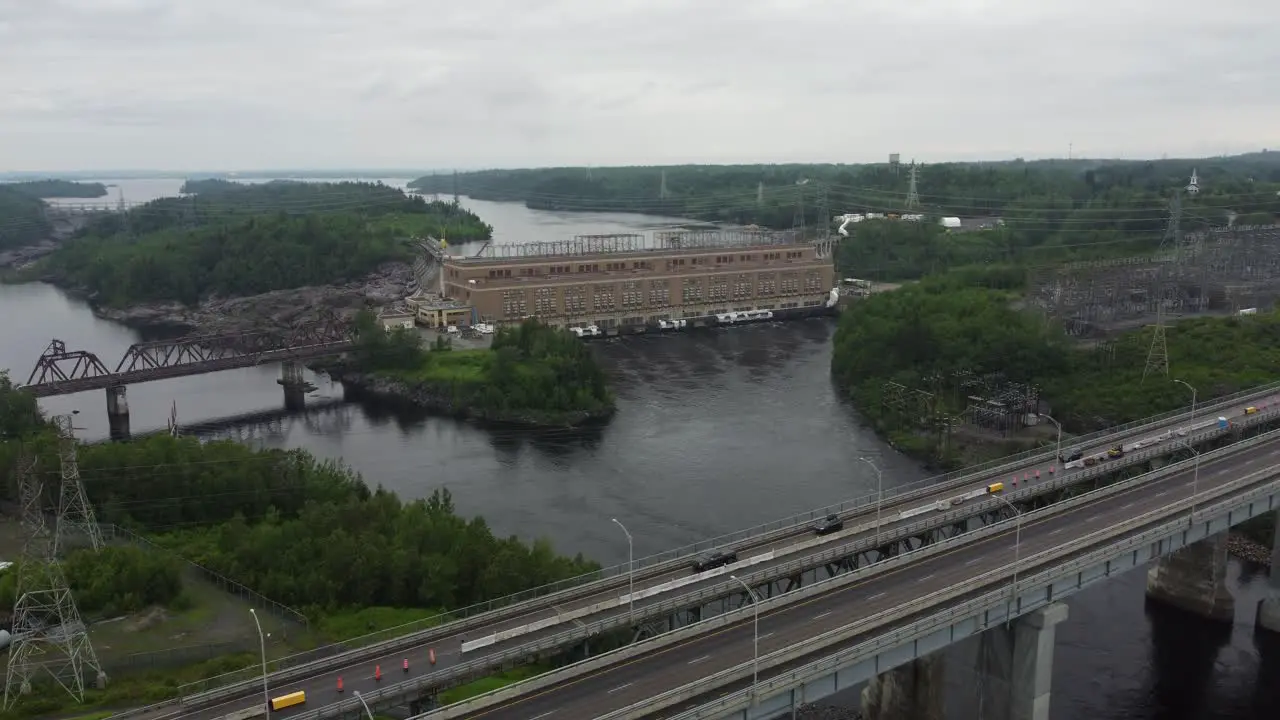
(406, 664)
(339, 683)
(431, 654)
(377, 673)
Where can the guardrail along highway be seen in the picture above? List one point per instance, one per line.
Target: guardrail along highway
(498, 631)
(637, 677)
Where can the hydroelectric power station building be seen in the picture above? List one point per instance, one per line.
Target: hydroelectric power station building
(620, 283)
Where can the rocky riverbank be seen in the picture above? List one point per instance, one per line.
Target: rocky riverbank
(277, 309)
(445, 400)
(1248, 550)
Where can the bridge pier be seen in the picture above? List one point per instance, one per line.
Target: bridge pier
(1015, 666)
(1268, 617)
(1194, 579)
(910, 692)
(118, 412)
(295, 385)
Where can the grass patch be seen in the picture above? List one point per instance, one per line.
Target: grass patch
(349, 624)
(130, 691)
(491, 683)
(453, 366)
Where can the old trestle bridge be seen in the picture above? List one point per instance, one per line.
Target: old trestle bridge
(60, 371)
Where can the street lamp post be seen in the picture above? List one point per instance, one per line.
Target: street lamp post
(1195, 475)
(1017, 544)
(755, 652)
(364, 704)
(1057, 453)
(879, 492)
(262, 644)
(631, 570)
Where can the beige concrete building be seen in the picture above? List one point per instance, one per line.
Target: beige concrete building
(639, 286)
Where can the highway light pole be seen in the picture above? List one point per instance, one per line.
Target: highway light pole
(1017, 544)
(631, 571)
(1057, 453)
(755, 652)
(879, 493)
(367, 711)
(262, 644)
(1195, 475)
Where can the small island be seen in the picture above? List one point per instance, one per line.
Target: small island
(532, 375)
(54, 188)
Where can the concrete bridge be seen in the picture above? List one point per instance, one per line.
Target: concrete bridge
(779, 563)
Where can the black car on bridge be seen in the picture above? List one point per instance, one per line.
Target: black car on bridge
(713, 559)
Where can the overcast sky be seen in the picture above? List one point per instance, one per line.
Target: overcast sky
(261, 84)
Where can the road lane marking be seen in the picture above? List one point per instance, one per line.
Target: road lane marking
(926, 577)
(1055, 532)
(620, 687)
(826, 596)
(1126, 507)
(822, 615)
(975, 560)
(1091, 518)
(535, 717)
(697, 660)
(873, 597)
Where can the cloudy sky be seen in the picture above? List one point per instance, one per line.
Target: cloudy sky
(258, 84)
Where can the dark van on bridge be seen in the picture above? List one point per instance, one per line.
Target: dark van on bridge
(713, 559)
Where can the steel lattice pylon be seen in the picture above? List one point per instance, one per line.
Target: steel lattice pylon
(48, 635)
(75, 514)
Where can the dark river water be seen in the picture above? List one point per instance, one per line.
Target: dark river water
(716, 431)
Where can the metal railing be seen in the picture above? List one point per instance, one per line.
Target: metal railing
(781, 683)
(459, 672)
(305, 664)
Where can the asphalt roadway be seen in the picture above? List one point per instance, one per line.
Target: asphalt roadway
(322, 689)
(641, 678)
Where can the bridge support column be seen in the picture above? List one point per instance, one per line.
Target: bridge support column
(911, 692)
(1194, 579)
(1015, 666)
(1268, 617)
(118, 412)
(295, 385)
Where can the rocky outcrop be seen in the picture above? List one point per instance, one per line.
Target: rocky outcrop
(1249, 550)
(279, 308)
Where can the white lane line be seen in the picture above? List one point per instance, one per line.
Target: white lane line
(1156, 495)
(620, 687)
(1126, 507)
(873, 597)
(1091, 518)
(698, 660)
(926, 577)
(769, 633)
(535, 717)
(1055, 532)
(973, 561)
(821, 615)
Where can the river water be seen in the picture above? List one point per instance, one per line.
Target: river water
(716, 431)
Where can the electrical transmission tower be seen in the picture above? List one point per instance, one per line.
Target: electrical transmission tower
(824, 213)
(75, 515)
(798, 221)
(760, 193)
(1158, 354)
(48, 635)
(455, 188)
(662, 187)
(913, 193)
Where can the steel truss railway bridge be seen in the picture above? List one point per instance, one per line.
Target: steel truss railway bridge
(60, 371)
(888, 539)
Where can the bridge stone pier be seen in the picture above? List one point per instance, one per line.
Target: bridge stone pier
(1268, 617)
(1015, 666)
(295, 385)
(910, 692)
(118, 412)
(1193, 579)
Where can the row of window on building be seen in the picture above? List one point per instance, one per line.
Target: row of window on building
(700, 261)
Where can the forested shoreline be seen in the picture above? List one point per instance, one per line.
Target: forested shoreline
(230, 240)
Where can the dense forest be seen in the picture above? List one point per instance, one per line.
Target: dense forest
(931, 335)
(530, 371)
(53, 188)
(22, 219)
(1055, 206)
(234, 240)
(304, 532)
